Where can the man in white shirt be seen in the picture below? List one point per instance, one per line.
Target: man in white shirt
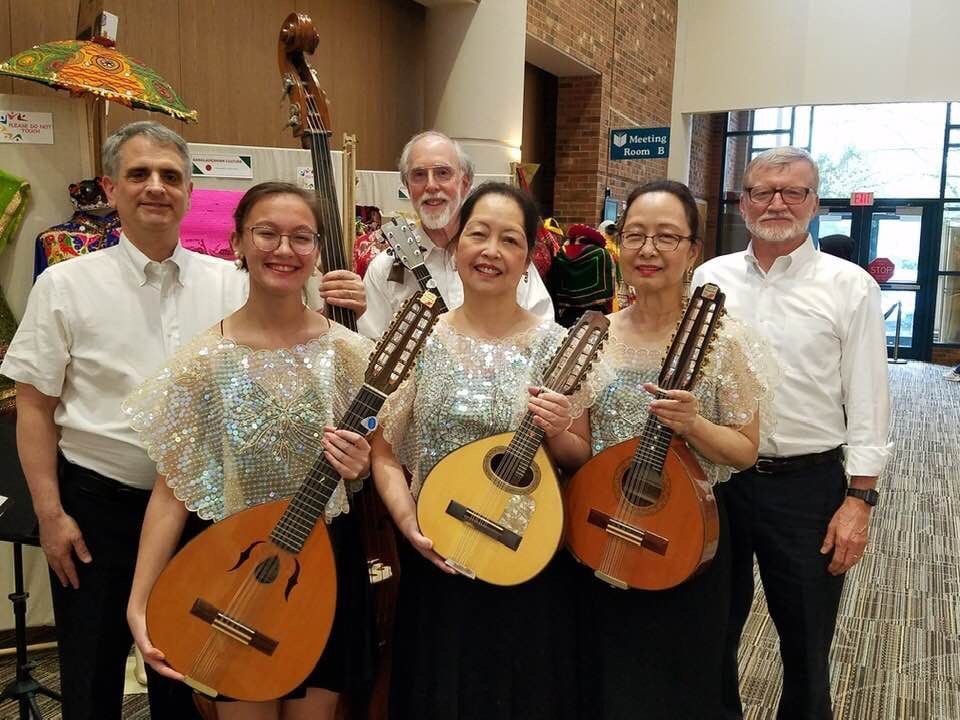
(94, 328)
(804, 509)
(438, 175)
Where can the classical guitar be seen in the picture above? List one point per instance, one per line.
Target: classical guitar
(310, 120)
(493, 508)
(404, 241)
(244, 609)
(641, 513)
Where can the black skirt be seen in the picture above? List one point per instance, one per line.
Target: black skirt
(654, 655)
(468, 650)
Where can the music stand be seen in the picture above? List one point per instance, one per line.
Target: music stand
(18, 525)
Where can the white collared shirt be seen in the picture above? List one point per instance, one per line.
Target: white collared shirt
(384, 296)
(823, 318)
(97, 326)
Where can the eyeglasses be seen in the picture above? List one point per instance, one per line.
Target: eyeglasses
(421, 175)
(665, 242)
(302, 242)
(789, 195)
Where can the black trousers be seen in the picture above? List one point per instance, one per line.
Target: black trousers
(92, 633)
(782, 519)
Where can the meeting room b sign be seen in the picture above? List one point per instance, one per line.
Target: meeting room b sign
(640, 143)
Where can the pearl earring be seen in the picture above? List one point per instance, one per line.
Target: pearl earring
(238, 262)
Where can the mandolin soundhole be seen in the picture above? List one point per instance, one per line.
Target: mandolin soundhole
(522, 482)
(641, 486)
(267, 570)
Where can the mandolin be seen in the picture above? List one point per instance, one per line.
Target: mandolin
(310, 120)
(641, 513)
(404, 241)
(245, 608)
(493, 508)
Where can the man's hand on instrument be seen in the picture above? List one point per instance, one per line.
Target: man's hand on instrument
(679, 410)
(551, 411)
(344, 288)
(60, 538)
(423, 545)
(348, 452)
(847, 535)
(137, 620)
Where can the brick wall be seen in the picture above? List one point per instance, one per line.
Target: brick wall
(631, 44)
(706, 148)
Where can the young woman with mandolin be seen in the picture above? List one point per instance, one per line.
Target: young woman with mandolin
(465, 648)
(237, 418)
(657, 654)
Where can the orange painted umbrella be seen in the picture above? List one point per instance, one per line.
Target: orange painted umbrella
(88, 67)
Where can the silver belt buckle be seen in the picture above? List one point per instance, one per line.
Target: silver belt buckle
(762, 466)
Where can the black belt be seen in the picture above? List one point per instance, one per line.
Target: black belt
(779, 465)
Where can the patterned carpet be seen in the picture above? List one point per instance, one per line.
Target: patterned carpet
(896, 655)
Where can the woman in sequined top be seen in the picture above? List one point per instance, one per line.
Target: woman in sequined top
(657, 654)
(465, 649)
(237, 418)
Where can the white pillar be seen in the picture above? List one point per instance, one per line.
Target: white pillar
(474, 78)
(678, 164)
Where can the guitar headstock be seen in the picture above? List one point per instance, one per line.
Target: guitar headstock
(395, 353)
(309, 108)
(404, 240)
(576, 355)
(691, 344)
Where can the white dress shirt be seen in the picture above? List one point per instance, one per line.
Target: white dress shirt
(823, 318)
(96, 326)
(384, 296)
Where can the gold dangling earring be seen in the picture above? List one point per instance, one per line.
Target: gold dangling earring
(687, 280)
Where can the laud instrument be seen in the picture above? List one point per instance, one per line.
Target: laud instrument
(641, 513)
(493, 508)
(244, 610)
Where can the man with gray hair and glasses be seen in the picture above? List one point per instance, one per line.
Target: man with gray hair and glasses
(93, 330)
(438, 175)
(804, 509)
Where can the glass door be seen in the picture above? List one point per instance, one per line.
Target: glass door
(898, 233)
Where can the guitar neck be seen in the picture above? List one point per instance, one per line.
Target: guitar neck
(654, 442)
(333, 256)
(426, 282)
(308, 505)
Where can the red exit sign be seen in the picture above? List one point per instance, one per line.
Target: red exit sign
(861, 198)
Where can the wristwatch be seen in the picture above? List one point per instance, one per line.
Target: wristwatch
(870, 497)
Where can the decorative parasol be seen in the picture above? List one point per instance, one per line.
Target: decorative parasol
(88, 67)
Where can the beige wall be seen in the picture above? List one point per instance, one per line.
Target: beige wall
(221, 56)
(736, 54)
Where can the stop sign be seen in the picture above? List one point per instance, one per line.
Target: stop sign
(881, 269)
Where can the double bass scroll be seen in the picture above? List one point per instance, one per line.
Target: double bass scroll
(310, 120)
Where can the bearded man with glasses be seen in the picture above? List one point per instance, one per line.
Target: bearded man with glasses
(804, 508)
(438, 175)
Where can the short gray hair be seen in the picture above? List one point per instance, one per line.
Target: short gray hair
(466, 164)
(160, 134)
(781, 156)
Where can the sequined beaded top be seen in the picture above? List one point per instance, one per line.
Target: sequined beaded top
(231, 427)
(738, 378)
(463, 389)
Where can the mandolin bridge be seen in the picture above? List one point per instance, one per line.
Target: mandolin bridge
(628, 533)
(488, 527)
(233, 628)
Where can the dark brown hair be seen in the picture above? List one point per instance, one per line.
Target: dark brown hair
(267, 189)
(531, 216)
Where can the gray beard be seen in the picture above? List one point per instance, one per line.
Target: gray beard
(433, 221)
(774, 235)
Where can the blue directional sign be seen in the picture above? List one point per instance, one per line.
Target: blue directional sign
(640, 143)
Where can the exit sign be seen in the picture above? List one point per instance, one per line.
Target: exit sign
(861, 198)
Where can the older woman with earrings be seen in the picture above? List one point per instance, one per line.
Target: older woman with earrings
(465, 649)
(259, 393)
(657, 654)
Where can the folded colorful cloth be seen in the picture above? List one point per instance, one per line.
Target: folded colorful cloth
(14, 192)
